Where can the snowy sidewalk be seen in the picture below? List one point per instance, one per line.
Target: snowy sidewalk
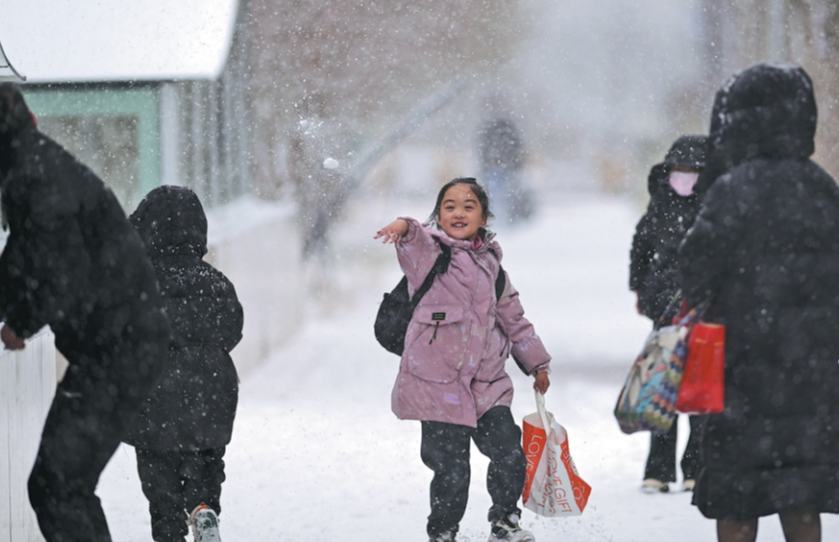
(317, 455)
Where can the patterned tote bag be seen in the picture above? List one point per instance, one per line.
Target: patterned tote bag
(647, 401)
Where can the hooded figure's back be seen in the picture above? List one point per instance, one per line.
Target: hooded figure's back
(194, 402)
(764, 250)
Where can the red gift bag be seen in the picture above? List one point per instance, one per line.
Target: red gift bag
(552, 486)
(702, 390)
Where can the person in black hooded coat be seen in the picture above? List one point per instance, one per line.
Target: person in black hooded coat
(187, 421)
(653, 276)
(764, 250)
(72, 261)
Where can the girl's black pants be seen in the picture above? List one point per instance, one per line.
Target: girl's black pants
(445, 450)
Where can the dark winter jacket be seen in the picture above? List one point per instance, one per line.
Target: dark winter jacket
(653, 272)
(72, 261)
(193, 404)
(765, 250)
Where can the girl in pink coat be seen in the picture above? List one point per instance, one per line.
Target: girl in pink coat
(452, 375)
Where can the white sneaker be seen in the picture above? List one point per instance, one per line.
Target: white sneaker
(448, 536)
(651, 486)
(688, 485)
(204, 523)
(508, 530)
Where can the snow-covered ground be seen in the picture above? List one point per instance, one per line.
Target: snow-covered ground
(317, 455)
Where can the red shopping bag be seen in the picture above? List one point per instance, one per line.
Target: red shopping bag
(702, 390)
(552, 486)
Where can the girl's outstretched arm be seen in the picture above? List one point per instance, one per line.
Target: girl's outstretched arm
(393, 232)
(416, 249)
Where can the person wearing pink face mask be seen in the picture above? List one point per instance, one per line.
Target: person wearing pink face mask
(674, 204)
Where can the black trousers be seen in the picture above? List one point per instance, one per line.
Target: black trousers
(81, 433)
(445, 450)
(175, 482)
(661, 463)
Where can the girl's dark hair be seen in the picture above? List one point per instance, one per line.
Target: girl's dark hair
(476, 189)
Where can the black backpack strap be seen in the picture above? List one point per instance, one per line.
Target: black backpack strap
(500, 280)
(441, 265)
(500, 283)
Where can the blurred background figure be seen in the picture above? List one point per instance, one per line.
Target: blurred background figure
(317, 163)
(502, 156)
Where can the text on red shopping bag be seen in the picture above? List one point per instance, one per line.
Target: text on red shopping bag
(553, 487)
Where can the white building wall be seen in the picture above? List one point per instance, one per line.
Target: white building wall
(27, 385)
(257, 246)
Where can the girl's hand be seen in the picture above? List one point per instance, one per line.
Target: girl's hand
(542, 382)
(393, 232)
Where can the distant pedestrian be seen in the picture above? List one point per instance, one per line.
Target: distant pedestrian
(502, 157)
(653, 276)
(764, 250)
(187, 421)
(452, 376)
(73, 262)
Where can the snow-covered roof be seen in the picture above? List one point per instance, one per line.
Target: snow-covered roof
(117, 40)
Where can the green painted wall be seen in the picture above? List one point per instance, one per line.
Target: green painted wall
(140, 103)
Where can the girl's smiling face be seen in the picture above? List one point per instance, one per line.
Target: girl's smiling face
(461, 215)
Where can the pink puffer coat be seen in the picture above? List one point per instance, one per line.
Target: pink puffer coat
(458, 341)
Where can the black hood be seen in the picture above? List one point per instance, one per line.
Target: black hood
(688, 152)
(765, 111)
(14, 114)
(171, 221)
(15, 118)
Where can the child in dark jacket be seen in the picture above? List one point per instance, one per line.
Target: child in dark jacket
(187, 420)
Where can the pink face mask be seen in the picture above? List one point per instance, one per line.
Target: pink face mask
(682, 182)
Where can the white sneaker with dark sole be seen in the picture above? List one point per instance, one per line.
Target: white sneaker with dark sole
(652, 486)
(448, 536)
(508, 530)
